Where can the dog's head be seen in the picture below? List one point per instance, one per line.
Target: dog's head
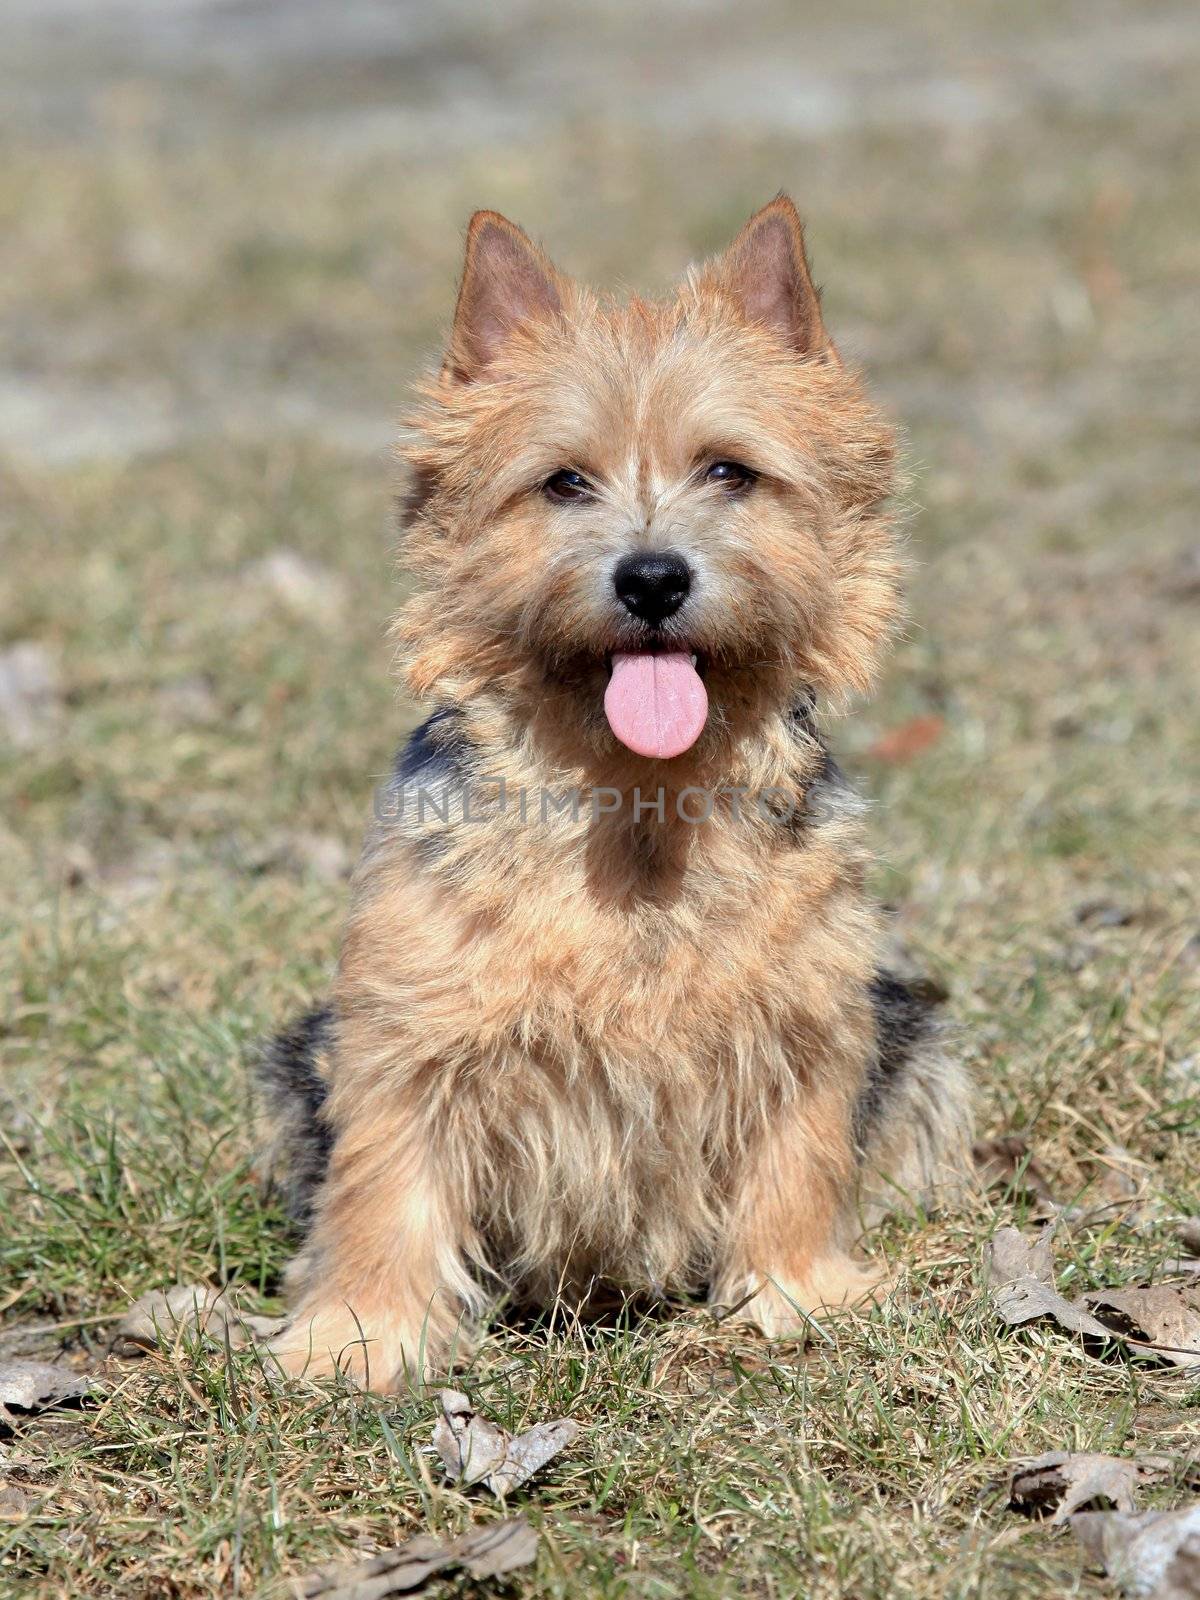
(657, 523)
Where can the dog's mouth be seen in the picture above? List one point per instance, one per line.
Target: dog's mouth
(656, 702)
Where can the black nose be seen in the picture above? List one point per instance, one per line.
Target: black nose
(652, 584)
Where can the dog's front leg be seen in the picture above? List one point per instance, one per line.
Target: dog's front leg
(381, 1290)
(786, 1253)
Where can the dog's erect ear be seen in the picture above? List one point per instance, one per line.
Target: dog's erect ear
(765, 269)
(506, 281)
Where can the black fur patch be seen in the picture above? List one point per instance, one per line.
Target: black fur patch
(417, 495)
(904, 1022)
(831, 774)
(829, 789)
(293, 1089)
(436, 750)
(803, 717)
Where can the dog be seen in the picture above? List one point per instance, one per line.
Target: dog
(613, 1006)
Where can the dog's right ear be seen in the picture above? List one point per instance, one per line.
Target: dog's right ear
(506, 281)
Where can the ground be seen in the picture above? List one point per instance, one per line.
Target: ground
(228, 239)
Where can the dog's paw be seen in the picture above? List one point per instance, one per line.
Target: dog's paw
(783, 1307)
(325, 1343)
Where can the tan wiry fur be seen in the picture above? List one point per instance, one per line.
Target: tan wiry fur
(610, 1047)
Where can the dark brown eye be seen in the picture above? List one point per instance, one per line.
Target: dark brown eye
(731, 475)
(567, 485)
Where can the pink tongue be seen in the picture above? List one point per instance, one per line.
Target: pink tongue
(656, 704)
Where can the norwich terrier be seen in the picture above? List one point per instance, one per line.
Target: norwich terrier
(612, 1007)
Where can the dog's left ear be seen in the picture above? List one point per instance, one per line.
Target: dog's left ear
(766, 271)
(506, 281)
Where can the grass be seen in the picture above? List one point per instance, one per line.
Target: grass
(1022, 292)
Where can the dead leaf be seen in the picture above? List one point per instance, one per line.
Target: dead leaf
(14, 1503)
(30, 694)
(1114, 1192)
(485, 1552)
(322, 856)
(1183, 1264)
(1006, 1162)
(1064, 1482)
(469, 1445)
(909, 740)
(190, 1307)
(474, 1450)
(1021, 1279)
(190, 700)
(305, 587)
(1014, 1258)
(1155, 1554)
(1101, 913)
(1164, 1319)
(38, 1385)
(1181, 580)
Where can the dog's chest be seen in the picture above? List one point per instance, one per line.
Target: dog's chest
(597, 1172)
(636, 951)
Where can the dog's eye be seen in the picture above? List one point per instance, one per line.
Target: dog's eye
(731, 475)
(567, 485)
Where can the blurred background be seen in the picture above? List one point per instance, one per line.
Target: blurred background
(229, 238)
